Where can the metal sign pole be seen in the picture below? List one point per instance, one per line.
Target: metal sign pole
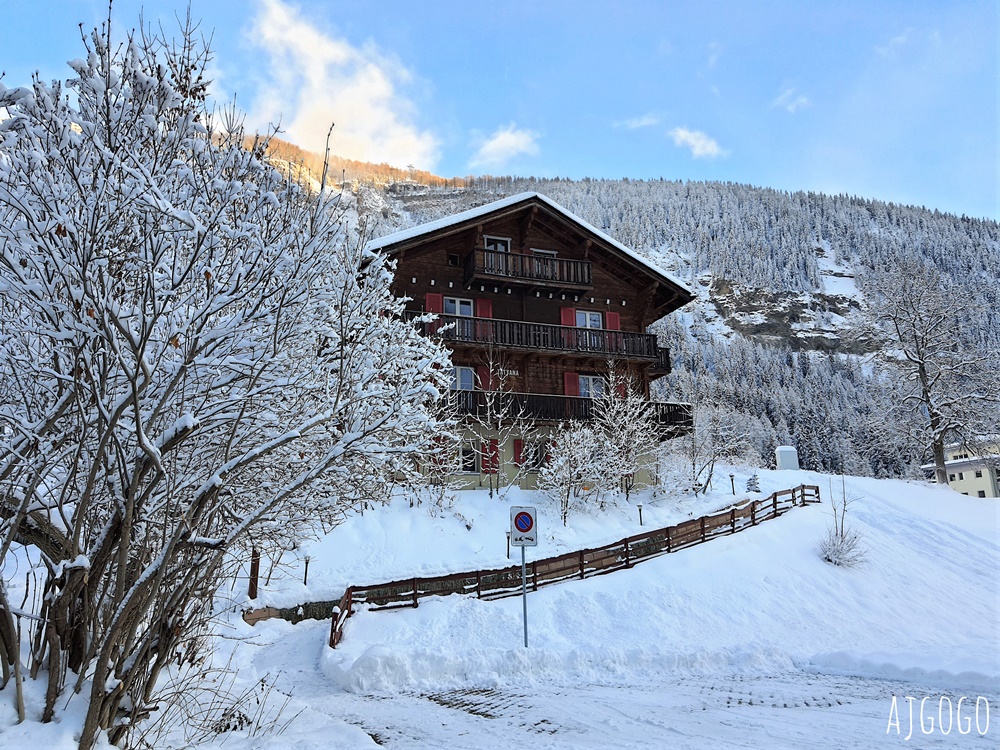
(524, 596)
(523, 533)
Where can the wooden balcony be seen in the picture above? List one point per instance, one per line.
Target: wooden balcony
(661, 366)
(527, 270)
(517, 334)
(673, 419)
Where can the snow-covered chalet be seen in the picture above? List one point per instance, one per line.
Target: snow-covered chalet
(539, 303)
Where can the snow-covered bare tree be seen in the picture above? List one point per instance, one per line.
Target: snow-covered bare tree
(500, 418)
(192, 357)
(927, 335)
(624, 418)
(573, 472)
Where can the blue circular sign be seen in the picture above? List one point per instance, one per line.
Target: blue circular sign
(523, 522)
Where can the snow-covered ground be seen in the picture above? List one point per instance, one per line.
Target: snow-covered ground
(747, 641)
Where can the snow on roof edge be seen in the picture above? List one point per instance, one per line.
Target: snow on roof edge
(474, 213)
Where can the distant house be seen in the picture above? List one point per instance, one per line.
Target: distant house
(972, 472)
(528, 293)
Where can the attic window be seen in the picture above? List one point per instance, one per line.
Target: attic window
(453, 259)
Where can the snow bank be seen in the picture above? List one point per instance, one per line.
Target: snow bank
(926, 604)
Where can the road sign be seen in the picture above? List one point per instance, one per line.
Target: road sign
(523, 528)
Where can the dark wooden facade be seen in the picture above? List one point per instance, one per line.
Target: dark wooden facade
(524, 287)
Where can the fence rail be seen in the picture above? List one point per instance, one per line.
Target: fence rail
(504, 582)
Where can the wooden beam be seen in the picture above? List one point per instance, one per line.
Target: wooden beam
(645, 316)
(524, 226)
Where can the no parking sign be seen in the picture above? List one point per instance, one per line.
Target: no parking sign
(523, 529)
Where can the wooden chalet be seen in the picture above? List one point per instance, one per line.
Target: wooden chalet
(530, 295)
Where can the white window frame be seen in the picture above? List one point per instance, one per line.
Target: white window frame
(588, 320)
(488, 237)
(591, 381)
(456, 381)
(457, 304)
(533, 454)
(465, 450)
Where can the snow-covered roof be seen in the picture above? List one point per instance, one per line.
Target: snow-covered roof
(475, 213)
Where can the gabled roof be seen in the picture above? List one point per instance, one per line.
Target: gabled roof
(414, 236)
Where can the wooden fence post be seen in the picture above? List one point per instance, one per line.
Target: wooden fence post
(703, 528)
(414, 592)
(775, 498)
(254, 573)
(628, 554)
(581, 565)
(753, 512)
(732, 520)
(668, 539)
(479, 584)
(534, 575)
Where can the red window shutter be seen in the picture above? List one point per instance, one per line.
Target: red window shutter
(434, 303)
(484, 308)
(571, 383)
(485, 378)
(620, 387)
(613, 321)
(519, 452)
(490, 457)
(567, 316)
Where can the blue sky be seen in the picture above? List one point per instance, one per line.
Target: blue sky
(889, 100)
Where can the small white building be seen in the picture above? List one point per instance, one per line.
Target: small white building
(972, 473)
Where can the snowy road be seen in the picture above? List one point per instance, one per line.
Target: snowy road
(792, 709)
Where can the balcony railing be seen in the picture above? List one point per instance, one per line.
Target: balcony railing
(672, 418)
(535, 270)
(662, 364)
(518, 334)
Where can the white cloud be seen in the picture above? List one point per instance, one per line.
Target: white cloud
(790, 101)
(714, 53)
(700, 144)
(634, 123)
(894, 44)
(314, 79)
(504, 145)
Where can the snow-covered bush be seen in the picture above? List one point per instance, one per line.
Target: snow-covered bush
(193, 360)
(842, 545)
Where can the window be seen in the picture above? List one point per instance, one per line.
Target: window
(534, 455)
(453, 259)
(981, 493)
(497, 244)
(951, 477)
(463, 379)
(495, 258)
(979, 473)
(961, 476)
(589, 319)
(469, 459)
(458, 306)
(591, 386)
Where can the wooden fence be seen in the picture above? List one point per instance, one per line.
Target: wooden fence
(500, 583)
